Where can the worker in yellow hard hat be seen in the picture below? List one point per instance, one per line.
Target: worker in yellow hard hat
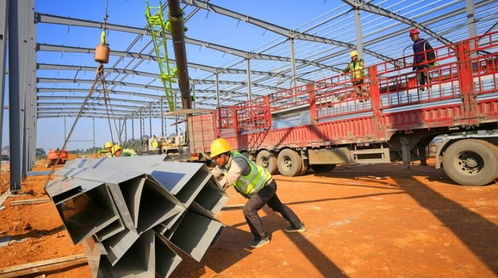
(118, 151)
(356, 69)
(254, 183)
(108, 149)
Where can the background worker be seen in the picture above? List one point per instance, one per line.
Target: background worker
(118, 151)
(108, 148)
(423, 58)
(356, 69)
(254, 183)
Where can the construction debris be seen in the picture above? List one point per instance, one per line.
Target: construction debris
(29, 201)
(42, 266)
(134, 213)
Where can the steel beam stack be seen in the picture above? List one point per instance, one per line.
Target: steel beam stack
(134, 214)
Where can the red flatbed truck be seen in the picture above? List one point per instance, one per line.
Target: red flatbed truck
(321, 124)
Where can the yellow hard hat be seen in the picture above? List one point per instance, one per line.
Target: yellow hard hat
(154, 144)
(220, 146)
(353, 53)
(115, 148)
(108, 145)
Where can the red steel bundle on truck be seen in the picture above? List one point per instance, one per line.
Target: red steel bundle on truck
(321, 124)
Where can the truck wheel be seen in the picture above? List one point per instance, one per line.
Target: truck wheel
(322, 168)
(471, 162)
(267, 160)
(289, 163)
(306, 166)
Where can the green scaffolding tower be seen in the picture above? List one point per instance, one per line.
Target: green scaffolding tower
(158, 28)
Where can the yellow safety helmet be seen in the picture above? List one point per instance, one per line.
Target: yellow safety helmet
(220, 146)
(108, 145)
(353, 53)
(115, 148)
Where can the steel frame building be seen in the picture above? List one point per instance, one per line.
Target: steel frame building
(298, 56)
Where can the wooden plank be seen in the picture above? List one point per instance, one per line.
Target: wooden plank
(29, 201)
(43, 266)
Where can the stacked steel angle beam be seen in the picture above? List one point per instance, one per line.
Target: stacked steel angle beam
(134, 214)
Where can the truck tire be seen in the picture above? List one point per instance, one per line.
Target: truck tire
(289, 163)
(267, 160)
(471, 162)
(306, 166)
(322, 168)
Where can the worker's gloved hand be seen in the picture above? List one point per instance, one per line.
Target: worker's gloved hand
(217, 173)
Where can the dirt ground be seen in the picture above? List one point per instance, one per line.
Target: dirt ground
(362, 221)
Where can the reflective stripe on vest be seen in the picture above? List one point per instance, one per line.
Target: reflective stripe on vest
(356, 69)
(255, 180)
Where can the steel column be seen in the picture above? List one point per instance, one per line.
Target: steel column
(31, 92)
(132, 127)
(15, 62)
(359, 36)
(217, 90)
(293, 62)
(3, 52)
(162, 117)
(150, 119)
(193, 95)
(125, 130)
(141, 124)
(249, 89)
(471, 21)
(93, 134)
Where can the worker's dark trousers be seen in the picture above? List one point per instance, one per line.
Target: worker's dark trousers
(422, 75)
(267, 195)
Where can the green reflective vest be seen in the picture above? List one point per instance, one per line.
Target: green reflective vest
(254, 181)
(356, 69)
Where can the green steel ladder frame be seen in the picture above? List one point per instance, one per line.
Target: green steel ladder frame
(157, 30)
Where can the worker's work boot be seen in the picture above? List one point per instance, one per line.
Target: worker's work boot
(292, 229)
(258, 243)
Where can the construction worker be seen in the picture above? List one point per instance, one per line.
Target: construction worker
(118, 151)
(423, 58)
(355, 69)
(108, 148)
(254, 183)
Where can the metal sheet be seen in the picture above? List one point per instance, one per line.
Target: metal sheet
(166, 258)
(84, 207)
(212, 197)
(139, 260)
(195, 234)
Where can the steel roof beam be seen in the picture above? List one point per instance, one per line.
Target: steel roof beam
(140, 102)
(76, 90)
(148, 74)
(126, 84)
(60, 48)
(383, 12)
(89, 104)
(278, 29)
(431, 21)
(54, 19)
(115, 92)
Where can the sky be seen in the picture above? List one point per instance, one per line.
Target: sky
(221, 30)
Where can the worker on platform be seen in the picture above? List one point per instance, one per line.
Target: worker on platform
(423, 58)
(117, 151)
(356, 69)
(254, 183)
